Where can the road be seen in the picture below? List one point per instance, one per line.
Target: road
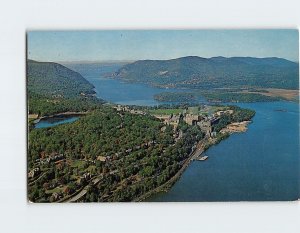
(193, 155)
(84, 190)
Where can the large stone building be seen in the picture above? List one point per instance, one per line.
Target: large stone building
(191, 119)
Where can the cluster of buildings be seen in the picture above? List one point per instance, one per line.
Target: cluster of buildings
(204, 122)
(56, 196)
(127, 151)
(206, 125)
(51, 158)
(87, 176)
(121, 108)
(191, 119)
(169, 119)
(220, 113)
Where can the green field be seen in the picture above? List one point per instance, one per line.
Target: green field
(193, 110)
(166, 111)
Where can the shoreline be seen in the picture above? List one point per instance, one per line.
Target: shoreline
(169, 183)
(201, 147)
(59, 115)
(236, 127)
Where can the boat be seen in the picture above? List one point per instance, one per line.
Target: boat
(203, 158)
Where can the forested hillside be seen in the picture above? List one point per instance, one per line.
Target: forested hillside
(54, 80)
(128, 154)
(53, 88)
(43, 105)
(216, 72)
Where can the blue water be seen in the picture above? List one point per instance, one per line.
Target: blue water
(260, 164)
(117, 91)
(53, 121)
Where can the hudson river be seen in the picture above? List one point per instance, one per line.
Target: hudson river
(260, 164)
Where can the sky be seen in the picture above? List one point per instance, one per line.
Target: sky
(128, 45)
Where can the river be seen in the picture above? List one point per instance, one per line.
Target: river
(260, 164)
(119, 92)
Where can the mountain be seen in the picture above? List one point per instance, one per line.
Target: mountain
(216, 72)
(55, 80)
(53, 88)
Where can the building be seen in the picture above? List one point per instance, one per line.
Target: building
(205, 126)
(220, 113)
(101, 158)
(87, 176)
(213, 134)
(34, 172)
(191, 119)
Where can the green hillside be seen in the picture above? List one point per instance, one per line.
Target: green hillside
(53, 88)
(216, 72)
(54, 80)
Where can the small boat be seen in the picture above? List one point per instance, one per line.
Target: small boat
(203, 158)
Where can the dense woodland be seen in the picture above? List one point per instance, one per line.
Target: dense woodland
(53, 88)
(238, 115)
(45, 106)
(54, 80)
(141, 155)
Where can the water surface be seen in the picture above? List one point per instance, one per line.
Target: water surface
(53, 121)
(118, 91)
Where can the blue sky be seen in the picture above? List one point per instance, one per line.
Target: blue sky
(67, 46)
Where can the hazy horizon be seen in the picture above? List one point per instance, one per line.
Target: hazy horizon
(129, 61)
(132, 45)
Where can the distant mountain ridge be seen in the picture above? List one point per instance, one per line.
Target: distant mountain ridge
(55, 80)
(216, 72)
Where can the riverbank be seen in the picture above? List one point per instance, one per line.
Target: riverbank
(236, 127)
(203, 145)
(168, 184)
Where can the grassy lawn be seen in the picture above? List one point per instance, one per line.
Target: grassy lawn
(74, 177)
(193, 110)
(166, 111)
(78, 163)
(91, 169)
(203, 113)
(55, 190)
(214, 109)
